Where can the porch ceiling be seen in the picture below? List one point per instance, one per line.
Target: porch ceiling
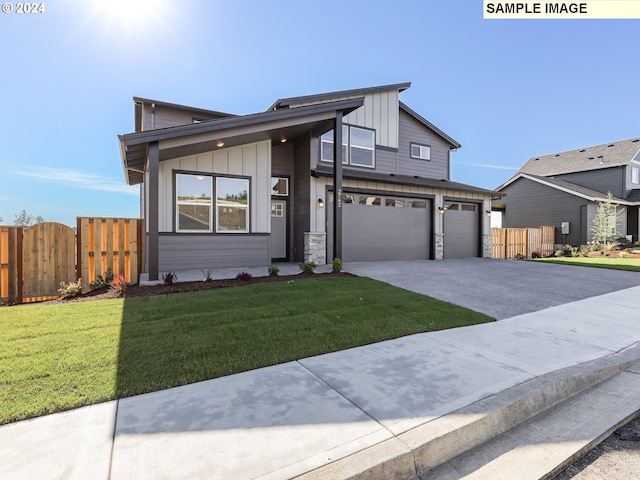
(190, 139)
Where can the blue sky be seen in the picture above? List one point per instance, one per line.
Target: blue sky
(506, 90)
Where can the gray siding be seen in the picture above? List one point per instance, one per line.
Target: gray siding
(605, 180)
(301, 197)
(195, 252)
(412, 131)
(282, 158)
(163, 117)
(530, 204)
(628, 177)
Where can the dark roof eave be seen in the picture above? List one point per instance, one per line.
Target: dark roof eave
(178, 106)
(327, 170)
(137, 138)
(286, 102)
(430, 125)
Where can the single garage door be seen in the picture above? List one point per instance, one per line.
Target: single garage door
(461, 230)
(380, 227)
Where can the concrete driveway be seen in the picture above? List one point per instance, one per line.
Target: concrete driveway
(500, 288)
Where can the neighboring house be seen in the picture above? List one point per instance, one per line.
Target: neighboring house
(568, 186)
(222, 190)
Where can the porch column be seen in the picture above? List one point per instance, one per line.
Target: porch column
(153, 164)
(337, 186)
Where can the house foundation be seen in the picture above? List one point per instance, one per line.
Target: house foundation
(315, 247)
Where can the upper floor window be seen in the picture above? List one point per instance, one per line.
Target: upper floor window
(423, 152)
(635, 175)
(358, 146)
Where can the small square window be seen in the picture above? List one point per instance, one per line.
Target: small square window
(423, 152)
(279, 186)
(394, 202)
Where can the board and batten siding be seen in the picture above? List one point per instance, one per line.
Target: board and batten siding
(603, 180)
(531, 204)
(379, 112)
(252, 160)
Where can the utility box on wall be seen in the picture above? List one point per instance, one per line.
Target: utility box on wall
(564, 227)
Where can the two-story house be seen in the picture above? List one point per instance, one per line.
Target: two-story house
(223, 190)
(567, 187)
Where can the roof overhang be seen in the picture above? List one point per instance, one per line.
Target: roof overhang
(202, 137)
(415, 180)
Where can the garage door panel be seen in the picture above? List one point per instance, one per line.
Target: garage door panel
(380, 232)
(461, 231)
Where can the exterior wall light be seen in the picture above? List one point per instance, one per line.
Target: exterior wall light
(220, 144)
(488, 212)
(320, 203)
(441, 210)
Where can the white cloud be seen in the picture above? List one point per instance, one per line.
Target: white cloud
(77, 179)
(488, 165)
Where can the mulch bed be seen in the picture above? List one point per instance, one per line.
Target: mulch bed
(182, 287)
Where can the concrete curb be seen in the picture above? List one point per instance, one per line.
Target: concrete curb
(427, 446)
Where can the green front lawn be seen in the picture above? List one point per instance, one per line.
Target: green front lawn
(614, 263)
(55, 357)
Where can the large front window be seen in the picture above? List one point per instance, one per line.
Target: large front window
(232, 205)
(193, 203)
(358, 146)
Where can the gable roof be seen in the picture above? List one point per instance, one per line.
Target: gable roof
(429, 125)
(567, 187)
(607, 155)
(358, 92)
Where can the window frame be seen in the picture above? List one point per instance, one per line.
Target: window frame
(187, 202)
(279, 179)
(635, 172)
(421, 146)
(245, 207)
(348, 146)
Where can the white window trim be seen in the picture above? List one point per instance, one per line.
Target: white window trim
(423, 148)
(635, 175)
(186, 202)
(286, 180)
(245, 207)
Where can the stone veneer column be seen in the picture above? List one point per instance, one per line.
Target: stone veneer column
(439, 250)
(487, 246)
(315, 247)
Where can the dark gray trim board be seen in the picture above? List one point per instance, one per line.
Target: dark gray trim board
(286, 102)
(153, 202)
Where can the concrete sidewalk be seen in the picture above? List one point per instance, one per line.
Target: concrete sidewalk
(391, 410)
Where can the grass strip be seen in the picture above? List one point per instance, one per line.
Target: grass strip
(55, 357)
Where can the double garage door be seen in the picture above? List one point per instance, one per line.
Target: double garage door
(385, 227)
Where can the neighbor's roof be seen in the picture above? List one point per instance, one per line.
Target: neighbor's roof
(608, 155)
(358, 92)
(567, 187)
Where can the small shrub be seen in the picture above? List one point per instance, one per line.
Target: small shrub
(583, 252)
(244, 276)
(101, 281)
(169, 278)
(624, 254)
(307, 267)
(623, 240)
(558, 253)
(520, 256)
(337, 265)
(118, 284)
(71, 289)
(536, 254)
(273, 271)
(208, 275)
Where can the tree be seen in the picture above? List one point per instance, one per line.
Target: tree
(26, 220)
(606, 222)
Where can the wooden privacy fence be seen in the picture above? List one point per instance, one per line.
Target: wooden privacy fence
(509, 242)
(35, 260)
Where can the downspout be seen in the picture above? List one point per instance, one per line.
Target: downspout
(153, 116)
